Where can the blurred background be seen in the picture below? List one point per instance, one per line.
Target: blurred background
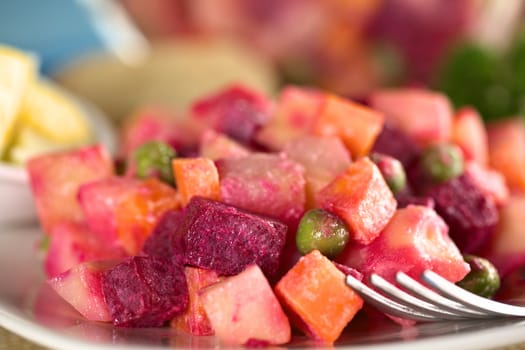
(128, 53)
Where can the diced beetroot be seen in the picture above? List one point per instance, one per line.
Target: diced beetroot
(294, 116)
(145, 291)
(507, 248)
(469, 133)
(215, 146)
(81, 287)
(123, 211)
(223, 238)
(165, 241)
(157, 124)
(323, 159)
(490, 182)
(414, 240)
(243, 308)
(395, 143)
(356, 125)
(425, 116)
(507, 151)
(266, 184)
(471, 215)
(237, 112)
(56, 177)
(361, 197)
(194, 320)
(72, 244)
(319, 302)
(512, 289)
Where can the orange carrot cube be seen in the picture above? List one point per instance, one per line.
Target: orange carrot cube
(196, 177)
(507, 151)
(194, 320)
(315, 293)
(469, 133)
(361, 197)
(357, 126)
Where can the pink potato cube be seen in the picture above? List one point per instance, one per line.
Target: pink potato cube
(295, 114)
(72, 244)
(56, 177)
(267, 184)
(323, 159)
(215, 146)
(157, 124)
(424, 115)
(490, 182)
(123, 211)
(506, 250)
(243, 309)
(194, 320)
(80, 287)
(414, 240)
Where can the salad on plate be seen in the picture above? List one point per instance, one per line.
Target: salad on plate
(241, 217)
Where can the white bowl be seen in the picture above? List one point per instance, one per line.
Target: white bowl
(16, 200)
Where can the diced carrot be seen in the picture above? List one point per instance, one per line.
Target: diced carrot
(357, 126)
(315, 293)
(194, 320)
(361, 197)
(138, 212)
(469, 133)
(196, 177)
(507, 151)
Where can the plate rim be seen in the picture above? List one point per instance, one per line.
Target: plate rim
(18, 320)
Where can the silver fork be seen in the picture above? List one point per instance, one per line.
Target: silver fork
(438, 300)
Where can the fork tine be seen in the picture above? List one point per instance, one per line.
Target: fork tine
(384, 304)
(469, 299)
(431, 296)
(407, 299)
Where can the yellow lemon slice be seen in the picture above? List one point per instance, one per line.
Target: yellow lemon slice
(16, 71)
(29, 143)
(54, 115)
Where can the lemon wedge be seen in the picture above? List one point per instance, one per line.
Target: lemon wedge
(17, 70)
(29, 143)
(53, 115)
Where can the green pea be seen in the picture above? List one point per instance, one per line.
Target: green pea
(483, 278)
(323, 231)
(154, 159)
(392, 171)
(442, 161)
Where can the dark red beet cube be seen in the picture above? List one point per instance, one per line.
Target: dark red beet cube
(145, 291)
(470, 214)
(393, 142)
(237, 112)
(226, 239)
(166, 241)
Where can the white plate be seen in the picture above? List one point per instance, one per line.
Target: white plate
(31, 309)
